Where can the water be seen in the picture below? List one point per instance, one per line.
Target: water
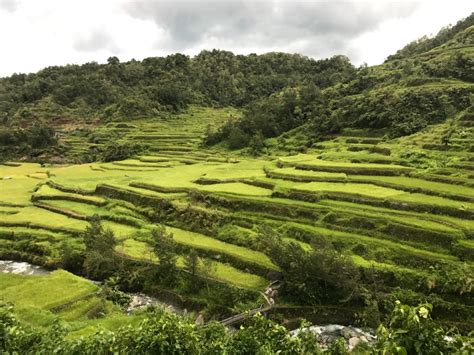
(21, 268)
(327, 334)
(139, 300)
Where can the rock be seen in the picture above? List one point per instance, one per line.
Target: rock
(364, 339)
(348, 333)
(353, 342)
(200, 319)
(332, 329)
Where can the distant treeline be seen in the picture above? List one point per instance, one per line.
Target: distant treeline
(160, 84)
(426, 82)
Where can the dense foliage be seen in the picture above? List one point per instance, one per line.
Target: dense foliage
(100, 260)
(410, 330)
(404, 95)
(278, 91)
(319, 275)
(159, 84)
(29, 141)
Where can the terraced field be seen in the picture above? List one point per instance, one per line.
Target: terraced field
(170, 134)
(76, 301)
(358, 190)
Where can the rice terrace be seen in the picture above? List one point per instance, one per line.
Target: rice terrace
(244, 192)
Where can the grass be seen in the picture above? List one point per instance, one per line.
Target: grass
(200, 241)
(421, 220)
(42, 300)
(137, 250)
(231, 275)
(39, 234)
(339, 235)
(358, 166)
(311, 161)
(223, 272)
(78, 207)
(237, 188)
(36, 291)
(121, 231)
(368, 264)
(40, 217)
(435, 201)
(109, 211)
(292, 172)
(350, 188)
(19, 187)
(414, 183)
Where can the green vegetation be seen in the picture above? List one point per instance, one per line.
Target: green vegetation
(351, 188)
(407, 331)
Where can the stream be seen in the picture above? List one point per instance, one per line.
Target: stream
(326, 334)
(21, 268)
(139, 300)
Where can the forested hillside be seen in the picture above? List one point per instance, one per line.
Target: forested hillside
(160, 84)
(225, 186)
(424, 83)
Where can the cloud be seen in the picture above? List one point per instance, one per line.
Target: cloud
(96, 40)
(56, 32)
(9, 5)
(312, 27)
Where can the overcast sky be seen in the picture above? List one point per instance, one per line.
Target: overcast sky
(39, 33)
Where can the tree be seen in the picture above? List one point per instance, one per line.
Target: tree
(96, 238)
(40, 135)
(313, 276)
(165, 248)
(192, 262)
(257, 143)
(100, 260)
(237, 138)
(113, 60)
(119, 151)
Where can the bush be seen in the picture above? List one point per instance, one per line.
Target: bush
(319, 275)
(118, 151)
(165, 248)
(257, 143)
(100, 260)
(238, 138)
(410, 330)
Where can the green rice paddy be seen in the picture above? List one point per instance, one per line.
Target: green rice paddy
(385, 216)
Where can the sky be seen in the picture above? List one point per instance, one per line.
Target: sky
(39, 33)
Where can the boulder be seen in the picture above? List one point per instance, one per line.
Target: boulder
(353, 342)
(348, 333)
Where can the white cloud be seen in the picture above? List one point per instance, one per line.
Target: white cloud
(9, 5)
(36, 34)
(98, 39)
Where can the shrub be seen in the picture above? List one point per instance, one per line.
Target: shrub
(119, 151)
(318, 275)
(100, 260)
(410, 330)
(238, 138)
(165, 248)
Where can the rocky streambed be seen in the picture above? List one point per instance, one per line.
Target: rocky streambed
(138, 300)
(21, 268)
(324, 334)
(328, 334)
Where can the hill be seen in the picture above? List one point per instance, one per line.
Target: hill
(352, 193)
(425, 83)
